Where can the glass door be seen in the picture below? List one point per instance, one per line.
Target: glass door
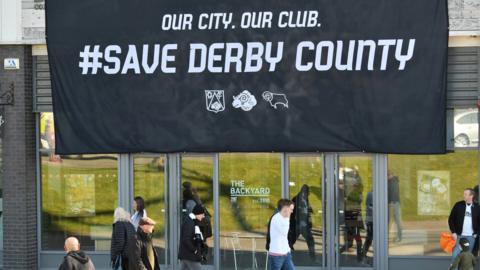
(149, 183)
(196, 186)
(250, 186)
(305, 188)
(333, 194)
(354, 211)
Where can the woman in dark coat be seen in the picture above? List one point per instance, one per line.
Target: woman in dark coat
(122, 230)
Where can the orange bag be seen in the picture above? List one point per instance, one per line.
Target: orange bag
(447, 243)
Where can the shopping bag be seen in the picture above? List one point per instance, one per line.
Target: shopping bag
(447, 243)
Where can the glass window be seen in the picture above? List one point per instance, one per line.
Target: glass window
(79, 195)
(149, 183)
(47, 132)
(466, 127)
(421, 191)
(250, 186)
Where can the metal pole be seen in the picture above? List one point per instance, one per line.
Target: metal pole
(331, 208)
(216, 212)
(123, 172)
(380, 212)
(285, 176)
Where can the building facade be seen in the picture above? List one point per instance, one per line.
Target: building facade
(405, 198)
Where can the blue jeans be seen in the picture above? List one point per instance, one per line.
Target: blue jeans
(280, 262)
(457, 249)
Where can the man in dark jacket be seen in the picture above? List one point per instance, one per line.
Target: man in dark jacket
(141, 252)
(464, 221)
(75, 258)
(192, 243)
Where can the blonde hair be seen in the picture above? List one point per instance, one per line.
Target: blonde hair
(120, 214)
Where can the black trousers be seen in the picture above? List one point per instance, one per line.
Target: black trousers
(307, 234)
(125, 264)
(369, 239)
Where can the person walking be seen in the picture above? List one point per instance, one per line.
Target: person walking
(465, 260)
(122, 230)
(190, 200)
(394, 203)
(464, 221)
(278, 246)
(192, 250)
(301, 220)
(141, 253)
(140, 212)
(353, 196)
(75, 258)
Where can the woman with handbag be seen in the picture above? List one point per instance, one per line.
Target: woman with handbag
(122, 230)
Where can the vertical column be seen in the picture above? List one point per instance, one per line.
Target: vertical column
(330, 209)
(125, 182)
(10, 22)
(166, 199)
(285, 176)
(380, 212)
(19, 162)
(216, 211)
(174, 171)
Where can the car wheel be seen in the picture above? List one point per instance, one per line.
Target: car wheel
(462, 140)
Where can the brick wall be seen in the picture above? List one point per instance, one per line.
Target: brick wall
(19, 182)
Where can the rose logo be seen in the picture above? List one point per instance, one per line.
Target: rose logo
(244, 100)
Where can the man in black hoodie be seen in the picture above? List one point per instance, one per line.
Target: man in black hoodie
(192, 243)
(75, 258)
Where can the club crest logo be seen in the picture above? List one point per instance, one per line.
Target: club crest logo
(215, 100)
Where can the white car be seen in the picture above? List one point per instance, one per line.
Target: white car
(466, 129)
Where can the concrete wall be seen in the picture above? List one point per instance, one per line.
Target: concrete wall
(464, 17)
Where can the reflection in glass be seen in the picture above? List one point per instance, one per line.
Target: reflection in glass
(465, 127)
(355, 206)
(79, 195)
(250, 186)
(149, 183)
(428, 186)
(197, 188)
(305, 188)
(394, 206)
(47, 132)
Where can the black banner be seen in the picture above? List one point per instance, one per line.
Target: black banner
(248, 76)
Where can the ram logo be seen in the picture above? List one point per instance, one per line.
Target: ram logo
(275, 99)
